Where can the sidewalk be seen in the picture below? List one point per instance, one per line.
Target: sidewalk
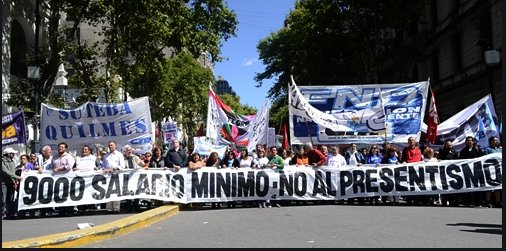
(60, 232)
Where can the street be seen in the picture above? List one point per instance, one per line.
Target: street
(321, 226)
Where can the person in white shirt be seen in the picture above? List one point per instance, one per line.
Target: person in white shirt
(261, 160)
(353, 156)
(334, 159)
(113, 161)
(244, 159)
(86, 166)
(44, 160)
(287, 156)
(86, 163)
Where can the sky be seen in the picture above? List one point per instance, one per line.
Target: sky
(257, 19)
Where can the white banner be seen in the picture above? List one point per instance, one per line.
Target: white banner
(292, 183)
(299, 106)
(258, 130)
(98, 123)
(478, 120)
(347, 114)
(216, 117)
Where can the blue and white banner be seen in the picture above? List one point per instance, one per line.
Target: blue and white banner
(98, 123)
(347, 114)
(478, 120)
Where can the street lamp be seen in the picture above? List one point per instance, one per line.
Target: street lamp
(61, 82)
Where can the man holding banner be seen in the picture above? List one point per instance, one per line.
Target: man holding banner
(9, 180)
(61, 164)
(176, 157)
(113, 161)
(493, 147)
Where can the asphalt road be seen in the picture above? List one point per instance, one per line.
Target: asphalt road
(19, 229)
(321, 226)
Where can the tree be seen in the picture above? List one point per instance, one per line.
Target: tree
(135, 40)
(178, 90)
(339, 42)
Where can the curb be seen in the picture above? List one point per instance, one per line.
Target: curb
(97, 233)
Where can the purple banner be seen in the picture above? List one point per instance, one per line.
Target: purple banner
(13, 129)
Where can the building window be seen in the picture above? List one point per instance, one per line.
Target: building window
(457, 52)
(435, 66)
(486, 29)
(433, 13)
(455, 5)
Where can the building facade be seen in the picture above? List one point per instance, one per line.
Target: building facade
(223, 87)
(461, 41)
(19, 24)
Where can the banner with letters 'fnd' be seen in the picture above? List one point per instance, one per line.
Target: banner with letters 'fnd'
(209, 184)
(343, 114)
(98, 123)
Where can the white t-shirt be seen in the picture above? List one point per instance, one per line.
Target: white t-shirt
(260, 162)
(245, 162)
(287, 161)
(336, 160)
(86, 165)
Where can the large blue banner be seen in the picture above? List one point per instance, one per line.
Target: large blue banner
(13, 129)
(367, 114)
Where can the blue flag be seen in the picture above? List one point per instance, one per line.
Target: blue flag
(481, 130)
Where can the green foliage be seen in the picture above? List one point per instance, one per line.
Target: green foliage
(22, 90)
(148, 48)
(338, 42)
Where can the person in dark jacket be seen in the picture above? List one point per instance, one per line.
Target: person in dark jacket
(9, 181)
(470, 151)
(447, 153)
(176, 157)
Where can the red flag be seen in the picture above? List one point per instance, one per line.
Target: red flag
(432, 120)
(200, 132)
(285, 137)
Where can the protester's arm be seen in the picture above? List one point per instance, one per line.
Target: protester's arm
(8, 172)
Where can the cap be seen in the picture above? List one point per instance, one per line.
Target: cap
(9, 150)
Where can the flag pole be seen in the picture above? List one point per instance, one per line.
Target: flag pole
(385, 117)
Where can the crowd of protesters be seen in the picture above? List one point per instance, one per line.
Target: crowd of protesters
(177, 156)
